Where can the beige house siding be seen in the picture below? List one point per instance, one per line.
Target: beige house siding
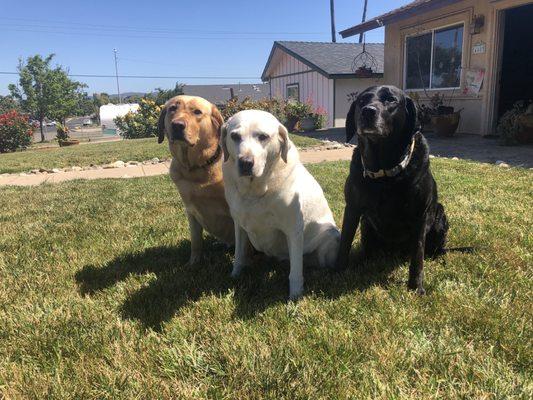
(343, 87)
(314, 87)
(478, 111)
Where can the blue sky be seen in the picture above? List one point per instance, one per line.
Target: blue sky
(229, 38)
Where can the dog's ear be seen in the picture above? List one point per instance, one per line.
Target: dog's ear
(351, 128)
(161, 125)
(284, 138)
(223, 134)
(216, 119)
(410, 117)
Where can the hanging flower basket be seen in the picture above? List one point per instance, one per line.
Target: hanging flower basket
(364, 72)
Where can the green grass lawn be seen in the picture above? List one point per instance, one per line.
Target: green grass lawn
(98, 153)
(95, 302)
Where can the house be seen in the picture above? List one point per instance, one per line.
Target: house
(322, 73)
(479, 53)
(219, 94)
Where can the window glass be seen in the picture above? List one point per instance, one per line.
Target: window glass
(293, 92)
(447, 54)
(418, 66)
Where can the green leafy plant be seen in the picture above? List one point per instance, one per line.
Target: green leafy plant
(15, 131)
(509, 123)
(140, 124)
(62, 132)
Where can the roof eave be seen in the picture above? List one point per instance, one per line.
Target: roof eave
(398, 16)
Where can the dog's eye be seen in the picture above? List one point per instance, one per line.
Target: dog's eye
(198, 112)
(173, 108)
(391, 100)
(235, 137)
(262, 137)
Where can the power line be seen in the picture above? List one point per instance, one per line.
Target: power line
(54, 24)
(146, 76)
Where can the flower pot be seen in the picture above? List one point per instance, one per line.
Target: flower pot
(307, 124)
(445, 125)
(69, 142)
(525, 131)
(290, 123)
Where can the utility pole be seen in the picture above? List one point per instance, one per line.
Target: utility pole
(363, 20)
(332, 11)
(116, 74)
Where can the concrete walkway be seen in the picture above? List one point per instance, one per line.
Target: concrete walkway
(136, 171)
(464, 146)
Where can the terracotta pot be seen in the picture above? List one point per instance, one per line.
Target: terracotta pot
(69, 142)
(445, 125)
(525, 133)
(307, 124)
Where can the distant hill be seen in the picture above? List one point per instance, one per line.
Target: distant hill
(218, 94)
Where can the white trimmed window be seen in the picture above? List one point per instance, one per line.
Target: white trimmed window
(433, 59)
(293, 91)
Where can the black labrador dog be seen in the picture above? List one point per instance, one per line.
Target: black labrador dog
(390, 189)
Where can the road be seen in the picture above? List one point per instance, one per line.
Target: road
(50, 131)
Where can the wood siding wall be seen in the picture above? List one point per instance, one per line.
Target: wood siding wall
(314, 86)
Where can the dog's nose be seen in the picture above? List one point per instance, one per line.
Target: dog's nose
(369, 113)
(245, 166)
(178, 129)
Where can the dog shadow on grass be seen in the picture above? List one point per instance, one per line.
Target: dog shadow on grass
(177, 285)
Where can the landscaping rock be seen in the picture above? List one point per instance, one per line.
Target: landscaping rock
(155, 160)
(455, 158)
(133, 163)
(431, 156)
(118, 164)
(504, 165)
(42, 170)
(76, 168)
(35, 171)
(55, 170)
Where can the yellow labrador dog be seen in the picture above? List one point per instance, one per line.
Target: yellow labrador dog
(275, 202)
(192, 126)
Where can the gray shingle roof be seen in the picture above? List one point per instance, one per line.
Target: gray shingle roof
(330, 58)
(219, 94)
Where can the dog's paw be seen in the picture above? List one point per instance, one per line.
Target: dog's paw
(236, 271)
(419, 289)
(296, 291)
(194, 260)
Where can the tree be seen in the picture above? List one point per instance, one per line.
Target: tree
(8, 103)
(162, 95)
(45, 92)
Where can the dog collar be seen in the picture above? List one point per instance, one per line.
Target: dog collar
(393, 171)
(209, 162)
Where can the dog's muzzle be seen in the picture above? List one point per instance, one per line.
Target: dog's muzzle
(245, 165)
(178, 130)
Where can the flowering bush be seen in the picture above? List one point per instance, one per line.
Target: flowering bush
(140, 124)
(15, 131)
(320, 117)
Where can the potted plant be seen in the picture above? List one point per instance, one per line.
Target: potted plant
(298, 112)
(516, 125)
(63, 137)
(442, 119)
(363, 72)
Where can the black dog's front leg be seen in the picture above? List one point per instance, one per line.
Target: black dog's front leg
(349, 227)
(416, 268)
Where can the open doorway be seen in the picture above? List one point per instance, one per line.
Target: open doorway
(516, 74)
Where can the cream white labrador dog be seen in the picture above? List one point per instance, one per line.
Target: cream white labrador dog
(276, 204)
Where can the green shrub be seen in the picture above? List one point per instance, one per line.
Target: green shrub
(509, 124)
(274, 106)
(15, 132)
(140, 124)
(62, 132)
